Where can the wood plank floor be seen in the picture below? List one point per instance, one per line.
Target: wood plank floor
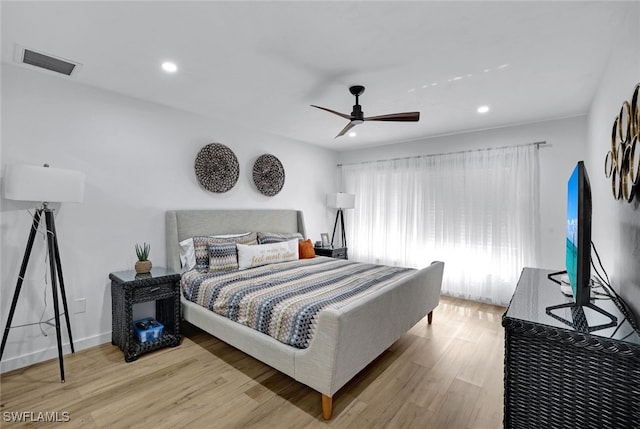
(444, 375)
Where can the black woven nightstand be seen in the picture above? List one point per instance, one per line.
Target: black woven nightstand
(129, 288)
(561, 376)
(337, 252)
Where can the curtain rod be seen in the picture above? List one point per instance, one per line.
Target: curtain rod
(537, 144)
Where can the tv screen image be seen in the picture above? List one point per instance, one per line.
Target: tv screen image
(578, 241)
(571, 259)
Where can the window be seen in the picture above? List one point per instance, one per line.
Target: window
(477, 211)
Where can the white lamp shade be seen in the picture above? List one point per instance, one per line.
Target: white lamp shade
(44, 184)
(341, 201)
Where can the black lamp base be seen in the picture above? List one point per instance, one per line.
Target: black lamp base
(56, 276)
(340, 218)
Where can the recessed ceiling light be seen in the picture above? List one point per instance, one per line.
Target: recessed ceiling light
(169, 67)
(353, 134)
(483, 109)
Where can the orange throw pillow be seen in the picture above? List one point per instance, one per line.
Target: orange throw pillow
(305, 249)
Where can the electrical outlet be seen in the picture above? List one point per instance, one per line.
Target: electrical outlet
(80, 305)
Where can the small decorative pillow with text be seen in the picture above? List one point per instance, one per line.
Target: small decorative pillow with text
(306, 250)
(276, 237)
(263, 254)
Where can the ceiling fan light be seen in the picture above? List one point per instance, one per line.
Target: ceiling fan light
(357, 116)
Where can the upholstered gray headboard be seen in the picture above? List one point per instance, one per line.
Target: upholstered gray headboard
(182, 224)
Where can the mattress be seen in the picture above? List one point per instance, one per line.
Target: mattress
(283, 300)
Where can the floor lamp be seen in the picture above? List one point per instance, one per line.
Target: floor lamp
(340, 201)
(46, 185)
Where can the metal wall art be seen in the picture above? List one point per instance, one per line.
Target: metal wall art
(268, 175)
(217, 168)
(622, 162)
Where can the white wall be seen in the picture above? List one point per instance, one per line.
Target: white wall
(138, 158)
(566, 144)
(616, 224)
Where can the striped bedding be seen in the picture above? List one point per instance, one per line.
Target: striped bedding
(283, 300)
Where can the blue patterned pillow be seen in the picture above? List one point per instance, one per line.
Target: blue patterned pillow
(201, 249)
(201, 246)
(223, 256)
(277, 237)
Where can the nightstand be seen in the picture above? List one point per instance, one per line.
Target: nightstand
(337, 252)
(129, 288)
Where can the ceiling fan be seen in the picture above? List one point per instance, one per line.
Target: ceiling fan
(357, 116)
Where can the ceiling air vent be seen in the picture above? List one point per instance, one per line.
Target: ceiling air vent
(45, 61)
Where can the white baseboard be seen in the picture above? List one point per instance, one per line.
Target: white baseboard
(52, 353)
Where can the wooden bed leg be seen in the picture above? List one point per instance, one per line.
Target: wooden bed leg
(327, 406)
(430, 317)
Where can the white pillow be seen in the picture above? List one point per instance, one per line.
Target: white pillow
(187, 255)
(263, 254)
(242, 234)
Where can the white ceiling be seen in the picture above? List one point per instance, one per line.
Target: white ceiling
(261, 64)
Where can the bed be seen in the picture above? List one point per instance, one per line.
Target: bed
(343, 342)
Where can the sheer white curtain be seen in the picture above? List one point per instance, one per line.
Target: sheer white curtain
(477, 211)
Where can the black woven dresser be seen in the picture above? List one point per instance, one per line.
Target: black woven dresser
(129, 288)
(562, 376)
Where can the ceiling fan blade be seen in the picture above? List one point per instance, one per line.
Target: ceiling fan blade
(398, 117)
(333, 111)
(347, 128)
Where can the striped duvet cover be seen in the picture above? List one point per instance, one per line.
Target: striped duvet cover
(283, 300)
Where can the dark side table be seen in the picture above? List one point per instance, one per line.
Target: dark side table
(561, 370)
(332, 252)
(129, 288)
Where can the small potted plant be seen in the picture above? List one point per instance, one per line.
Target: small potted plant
(143, 264)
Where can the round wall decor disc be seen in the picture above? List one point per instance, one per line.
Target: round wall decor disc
(216, 168)
(268, 175)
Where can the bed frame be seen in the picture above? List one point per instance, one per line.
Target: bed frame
(344, 342)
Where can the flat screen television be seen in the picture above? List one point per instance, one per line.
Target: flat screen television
(578, 242)
(578, 257)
